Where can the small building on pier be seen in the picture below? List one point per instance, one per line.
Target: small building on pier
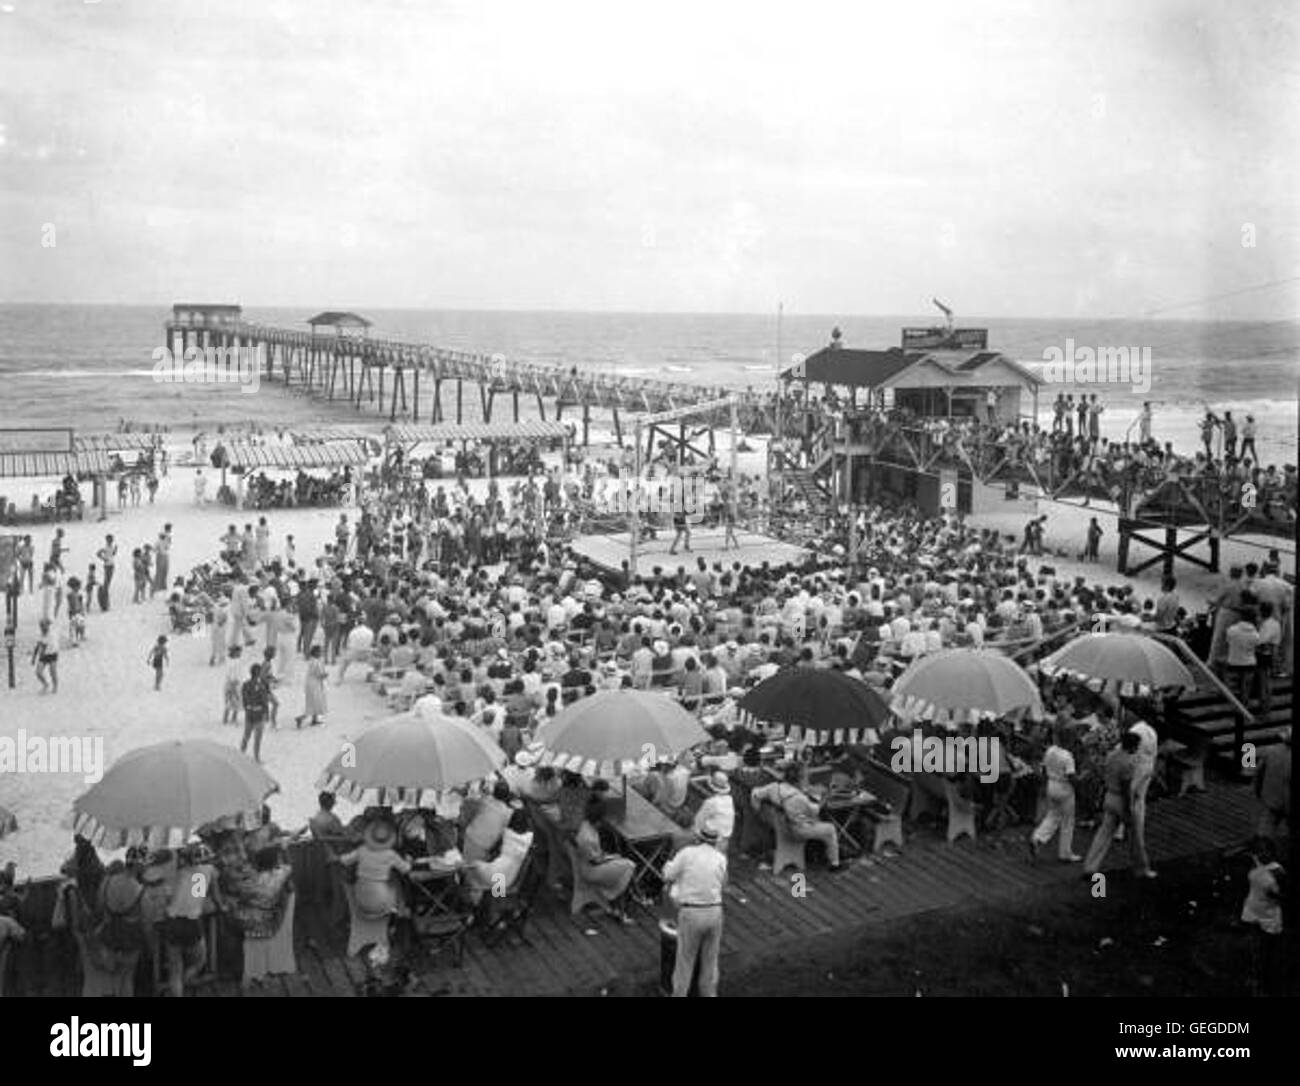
(338, 323)
(889, 420)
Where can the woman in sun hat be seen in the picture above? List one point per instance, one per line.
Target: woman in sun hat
(375, 861)
(717, 814)
(606, 876)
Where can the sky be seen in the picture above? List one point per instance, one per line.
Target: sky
(1032, 159)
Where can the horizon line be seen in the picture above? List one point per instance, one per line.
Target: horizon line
(773, 313)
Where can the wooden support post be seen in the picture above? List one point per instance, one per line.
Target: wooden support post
(541, 407)
(732, 497)
(485, 395)
(586, 423)
(460, 401)
(634, 507)
(415, 377)
(618, 429)
(436, 414)
(515, 397)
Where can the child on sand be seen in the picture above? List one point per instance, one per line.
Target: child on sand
(234, 680)
(76, 613)
(45, 656)
(158, 660)
(267, 680)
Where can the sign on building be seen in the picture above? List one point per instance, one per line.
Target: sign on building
(945, 339)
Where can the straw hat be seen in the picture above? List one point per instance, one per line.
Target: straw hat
(121, 892)
(380, 833)
(719, 784)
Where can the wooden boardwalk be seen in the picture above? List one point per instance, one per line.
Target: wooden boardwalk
(558, 958)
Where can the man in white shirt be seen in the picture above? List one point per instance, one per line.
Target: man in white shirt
(1058, 764)
(696, 877)
(361, 639)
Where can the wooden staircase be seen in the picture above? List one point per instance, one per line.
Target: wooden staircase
(1212, 716)
(806, 486)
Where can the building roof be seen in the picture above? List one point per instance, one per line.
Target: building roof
(210, 307)
(525, 430)
(336, 318)
(115, 442)
(896, 368)
(39, 465)
(291, 457)
(845, 366)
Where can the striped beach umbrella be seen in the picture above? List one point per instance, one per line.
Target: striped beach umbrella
(1125, 658)
(160, 795)
(959, 685)
(411, 758)
(615, 732)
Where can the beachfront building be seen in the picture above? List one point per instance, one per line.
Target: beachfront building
(338, 323)
(891, 420)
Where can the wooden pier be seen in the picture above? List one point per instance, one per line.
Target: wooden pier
(337, 359)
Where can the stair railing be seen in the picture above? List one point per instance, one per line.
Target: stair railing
(1241, 715)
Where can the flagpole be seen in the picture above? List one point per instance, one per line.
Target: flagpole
(776, 450)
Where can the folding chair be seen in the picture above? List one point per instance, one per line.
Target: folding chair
(439, 917)
(503, 915)
(961, 813)
(790, 850)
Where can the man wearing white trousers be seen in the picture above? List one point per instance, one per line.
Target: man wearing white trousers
(1058, 764)
(696, 876)
(1144, 768)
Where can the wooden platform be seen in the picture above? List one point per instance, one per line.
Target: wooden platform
(762, 917)
(611, 551)
(559, 959)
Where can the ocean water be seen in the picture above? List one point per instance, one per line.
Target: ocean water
(89, 367)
